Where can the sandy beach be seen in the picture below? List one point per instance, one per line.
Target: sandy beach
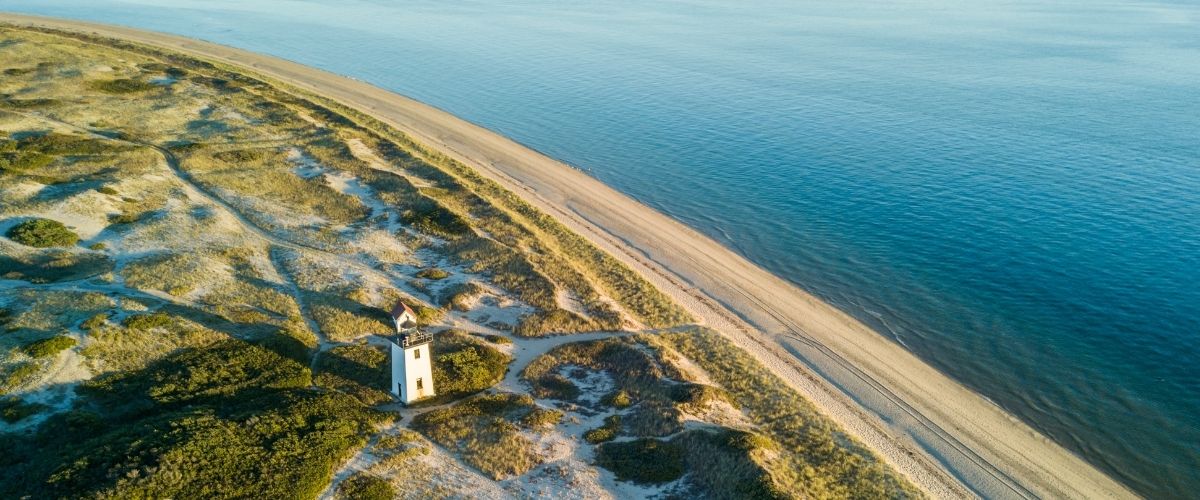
(948, 440)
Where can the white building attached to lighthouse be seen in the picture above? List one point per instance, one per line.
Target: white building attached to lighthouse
(412, 361)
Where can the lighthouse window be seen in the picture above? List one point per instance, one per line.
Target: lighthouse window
(420, 384)
(417, 354)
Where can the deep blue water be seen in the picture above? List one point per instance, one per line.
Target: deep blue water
(1010, 189)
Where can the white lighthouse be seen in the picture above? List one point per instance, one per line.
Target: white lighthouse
(412, 363)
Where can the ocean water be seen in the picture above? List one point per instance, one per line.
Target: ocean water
(1010, 189)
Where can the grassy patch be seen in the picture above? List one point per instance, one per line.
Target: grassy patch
(344, 320)
(638, 375)
(618, 399)
(220, 370)
(433, 273)
(553, 321)
(461, 296)
(13, 410)
(140, 340)
(49, 347)
(120, 86)
(643, 461)
(23, 161)
(542, 419)
(14, 376)
(175, 273)
(363, 486)
(463, 365)
(816, 458)
(53, 265)
(361, 371)
(498, 339)
(484, 430)
(725, 463)
(42, 233)
(606, 432)
(148, 321)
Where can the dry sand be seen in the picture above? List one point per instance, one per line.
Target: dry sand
(945, 438)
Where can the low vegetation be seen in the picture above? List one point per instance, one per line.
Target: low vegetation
(49, 347)
(42, 233)
(363, 486)
(643, 384)
(816, 459)
(229, 420)
(359, 370)
(121, 86)
(52, 265)
(464, 365)
(13, 410)
(645, 461)
(606, 432)
(433, 273)
(485, 430)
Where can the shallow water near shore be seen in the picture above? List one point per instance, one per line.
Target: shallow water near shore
(1010, 190)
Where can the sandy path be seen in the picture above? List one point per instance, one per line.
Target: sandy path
(940, 434)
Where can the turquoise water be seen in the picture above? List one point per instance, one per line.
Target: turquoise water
(1009, 189)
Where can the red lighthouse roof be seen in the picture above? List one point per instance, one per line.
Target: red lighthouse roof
(401, 309)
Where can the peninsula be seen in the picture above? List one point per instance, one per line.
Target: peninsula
(522, 259)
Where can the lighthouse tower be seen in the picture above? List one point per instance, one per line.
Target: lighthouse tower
(412, 363)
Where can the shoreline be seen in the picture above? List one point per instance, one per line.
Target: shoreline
(933, 430)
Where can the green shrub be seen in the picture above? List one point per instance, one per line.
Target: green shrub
(555, 386)
(107, 190)
(363, 486)
(633, 370)
(654, 417)
(484, 431)
(427, 315)
(817, 458)
(94, 323)
(727, 463)
(606, 432)
(13, 409)
(125, 217)
(274, 444)
(42, 233)
(695, 397)
(429, 217)
(68, 144)
(643, 461)
(498, 339)
(242, 155)
(433, 273)
(98, 246)
(552, 321)
(542, 418)
(23, 161)
(358, 370)
(19, 374)
(465, 365)
(48, 347)
(221, 370)
(617, 399)
(148, 321)
(460, 296)
(54, 265)
(120, 86)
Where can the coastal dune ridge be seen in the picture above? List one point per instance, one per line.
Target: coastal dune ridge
(948, 440)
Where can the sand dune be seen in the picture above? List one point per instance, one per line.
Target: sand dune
(948, 440)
